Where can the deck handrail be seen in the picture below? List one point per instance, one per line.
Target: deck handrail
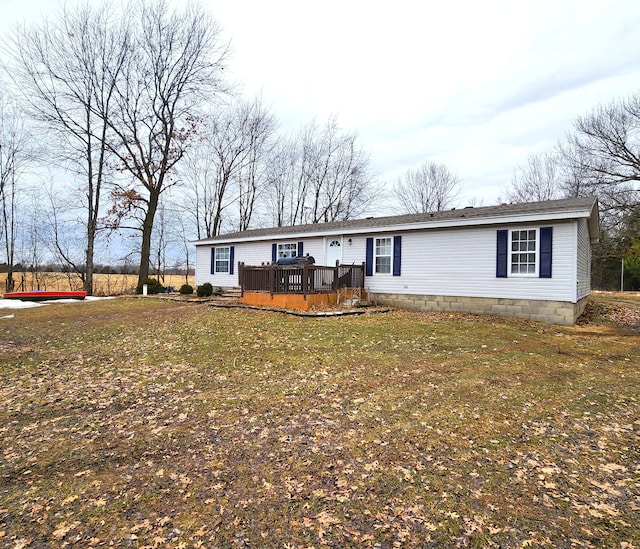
(299, 279)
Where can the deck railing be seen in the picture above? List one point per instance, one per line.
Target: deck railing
(299, 279)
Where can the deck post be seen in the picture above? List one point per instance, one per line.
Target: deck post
(272, 279)
(305, 280)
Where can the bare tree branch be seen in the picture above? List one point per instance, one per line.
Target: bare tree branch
(175, 62)
(430, 188)
(537, 181)
(67, 70)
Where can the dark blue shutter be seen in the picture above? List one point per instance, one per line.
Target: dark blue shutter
(231, 259)
(300, 249)
(369, 257)
(501, 256)
(397, 255)
(213, 260)
(274, 252)
(546, 246)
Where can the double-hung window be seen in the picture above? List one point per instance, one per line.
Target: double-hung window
(222, 259)
(523, 257)
(287, 249)
(524, 253)
(382, 255)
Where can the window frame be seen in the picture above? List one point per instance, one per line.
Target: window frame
(511, 253)
(377, 255)
(281, 252)
(226, 260)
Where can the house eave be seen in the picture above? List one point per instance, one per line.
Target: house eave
(460, 222)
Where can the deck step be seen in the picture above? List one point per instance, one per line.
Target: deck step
(231, 292)
(356, 302)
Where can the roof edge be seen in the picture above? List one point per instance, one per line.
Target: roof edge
(571, 208)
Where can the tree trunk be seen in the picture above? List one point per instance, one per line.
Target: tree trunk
(10, 283)
(147, 229)
(88, 280)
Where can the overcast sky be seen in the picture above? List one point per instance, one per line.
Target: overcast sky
(476, 85)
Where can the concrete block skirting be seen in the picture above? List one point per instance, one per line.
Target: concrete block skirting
(549, 312)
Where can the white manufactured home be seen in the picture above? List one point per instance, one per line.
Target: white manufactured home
(530, 260)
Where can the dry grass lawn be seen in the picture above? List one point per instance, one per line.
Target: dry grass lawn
(150, 423)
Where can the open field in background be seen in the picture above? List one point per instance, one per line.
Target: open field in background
(105, 284)
(152, 423)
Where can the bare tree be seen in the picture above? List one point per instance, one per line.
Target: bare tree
(540, 179)
(180, 234)
(320, 175)
(201, 199)
(430, 188)
(16, 154)
(280, 162)
(225, 165)
(31, 237)
(609, 138)
(175, 63)
(338, 174)
(67, 70)
(251, 179)
(604, 149)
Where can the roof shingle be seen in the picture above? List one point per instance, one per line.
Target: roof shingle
(580, 204)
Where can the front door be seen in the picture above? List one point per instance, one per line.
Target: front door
(334, 250)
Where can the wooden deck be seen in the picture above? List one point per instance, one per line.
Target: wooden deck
(299, 286)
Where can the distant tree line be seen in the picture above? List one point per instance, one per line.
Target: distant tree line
(99, 268)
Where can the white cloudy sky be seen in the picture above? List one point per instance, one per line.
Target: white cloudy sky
(476, 85)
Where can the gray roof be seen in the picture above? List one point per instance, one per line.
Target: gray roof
(584, 206)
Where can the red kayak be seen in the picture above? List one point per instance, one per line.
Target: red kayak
(41, 295)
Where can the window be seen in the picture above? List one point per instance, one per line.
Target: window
(289, 249)
(382, 255)
(222, 260)
(524, 252)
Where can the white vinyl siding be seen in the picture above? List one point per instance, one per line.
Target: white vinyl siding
(451, 262)
(583, 262)
(249, 253)
(432, 265)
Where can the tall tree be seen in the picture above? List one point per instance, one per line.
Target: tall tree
(337, 173)
(320, 175)
(175, 63)
(16, 154)
(278, 178)
(251, 178)
(604, 148)
(538, 180)
(224, 166)
(67, 70)
(430, 188)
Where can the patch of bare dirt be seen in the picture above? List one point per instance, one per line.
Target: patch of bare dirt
(12, 348)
